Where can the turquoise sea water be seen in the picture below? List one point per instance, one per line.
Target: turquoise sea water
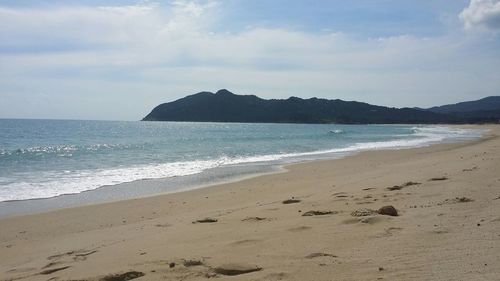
(47, 158)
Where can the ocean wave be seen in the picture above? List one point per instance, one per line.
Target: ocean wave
(62, 149)
(50, 184)
(335, 132)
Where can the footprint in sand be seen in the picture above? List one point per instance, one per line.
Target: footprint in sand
(389, 232)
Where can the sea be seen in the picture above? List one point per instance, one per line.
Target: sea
(50, 164)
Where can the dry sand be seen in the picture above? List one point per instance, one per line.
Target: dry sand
(447, 229)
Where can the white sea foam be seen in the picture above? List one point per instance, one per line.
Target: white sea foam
(67, 182)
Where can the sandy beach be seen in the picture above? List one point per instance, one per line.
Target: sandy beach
(317, 221)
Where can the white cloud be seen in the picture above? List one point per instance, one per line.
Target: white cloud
(99, 26)
(482, 13)
(138, 56)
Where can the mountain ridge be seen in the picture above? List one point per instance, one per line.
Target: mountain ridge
(225, 106)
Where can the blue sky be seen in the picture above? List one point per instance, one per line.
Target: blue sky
(116, 60)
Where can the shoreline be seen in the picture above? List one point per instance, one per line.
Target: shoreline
(447, 226)
(145, 188)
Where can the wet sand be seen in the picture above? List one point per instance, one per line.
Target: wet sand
(318, 221)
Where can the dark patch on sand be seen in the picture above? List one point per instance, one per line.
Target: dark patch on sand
(456, 200)
(291, 201)
(206, 220)
(363, 212)
(318, 213)
(316, 255)
(245, 241)
(190, 263)
(52, 270)
(123, 276)
(299, 228)
(438, 179)
(254, 219)
(399, 187)
(236, 269)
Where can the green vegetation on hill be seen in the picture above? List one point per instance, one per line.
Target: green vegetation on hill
(224, 106)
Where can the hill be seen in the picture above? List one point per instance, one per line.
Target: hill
(224, 106)
(485, 104)
(486, 110)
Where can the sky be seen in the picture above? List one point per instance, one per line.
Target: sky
(116, 60)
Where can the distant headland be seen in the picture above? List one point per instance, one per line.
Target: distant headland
(225, 106)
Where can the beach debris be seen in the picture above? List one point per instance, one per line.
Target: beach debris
(316, 255)
(438, 179)
(171, 265)
(52, 270)
(363, 212)
(388, 210)
(236, 269)
(123, 276)
(189, 263)
(206, 220)
(317, 213)
(291, 201)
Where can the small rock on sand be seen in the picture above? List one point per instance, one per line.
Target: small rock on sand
(388, 211)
